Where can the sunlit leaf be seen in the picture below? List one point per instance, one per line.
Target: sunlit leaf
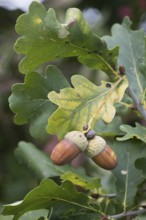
(29, 99)
(138, 131)
(84, 104)
(44, 38)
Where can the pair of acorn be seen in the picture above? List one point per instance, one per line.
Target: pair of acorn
(94, 146)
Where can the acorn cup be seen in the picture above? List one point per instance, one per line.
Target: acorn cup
(101, 153)
(66, 150)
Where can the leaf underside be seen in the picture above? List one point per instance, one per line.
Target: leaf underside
(132, 54)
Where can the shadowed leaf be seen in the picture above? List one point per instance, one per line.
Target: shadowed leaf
(40, 163)
(64, 200)
(127, 176)
(29, 99)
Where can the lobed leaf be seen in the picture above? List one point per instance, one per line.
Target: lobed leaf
(63, 200)
(127, 176)
(44, 38)
(29, 99)
(84, 104)
(138, 131)
(132, 54)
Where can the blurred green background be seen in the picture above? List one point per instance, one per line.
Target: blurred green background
(16, 180)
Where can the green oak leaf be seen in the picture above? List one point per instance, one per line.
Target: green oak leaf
(138, 131)
(63, 200)
(85, 182)
(132, 54)
(6, 217)
(44, 38)
(109, 130)
(39, 162)
(127, 176)
(29, 99)
(84, 104)
(140, 164)
(32, 215)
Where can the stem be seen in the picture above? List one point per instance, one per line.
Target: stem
(96, 195)
(130, 213)
(137, 103)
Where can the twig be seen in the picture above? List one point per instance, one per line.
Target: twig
(96, 195)
(137, 103)
(130, 213)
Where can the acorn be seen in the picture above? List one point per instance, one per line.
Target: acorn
(101, 153)
(66, 150)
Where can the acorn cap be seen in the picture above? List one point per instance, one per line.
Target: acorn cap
(77, 138)
(95, 146)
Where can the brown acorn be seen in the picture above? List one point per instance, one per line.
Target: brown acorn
(101, 153)
(66, 150)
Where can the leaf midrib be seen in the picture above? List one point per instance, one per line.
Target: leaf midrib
(134, 64)
(85, 50)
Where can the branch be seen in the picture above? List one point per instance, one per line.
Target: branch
(137, 103)
(130, 213)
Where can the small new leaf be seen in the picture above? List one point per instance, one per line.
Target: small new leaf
(44, 38)
(138, 131)
(64, 200)
(84, 104)
(29, 99)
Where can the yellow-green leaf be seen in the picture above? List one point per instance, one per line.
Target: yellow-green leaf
(84, 104)
(85, 182)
